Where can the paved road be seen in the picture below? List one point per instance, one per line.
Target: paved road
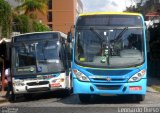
(58, 103)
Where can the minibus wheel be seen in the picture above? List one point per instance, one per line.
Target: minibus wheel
(13, 97)
(85, 98)
(28, 96)
(140, 97)
(71, 84)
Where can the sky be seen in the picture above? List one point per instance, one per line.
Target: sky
(107, 5)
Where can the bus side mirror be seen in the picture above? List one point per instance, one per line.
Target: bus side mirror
(69, 37)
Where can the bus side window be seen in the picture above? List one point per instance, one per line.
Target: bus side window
(63, 55)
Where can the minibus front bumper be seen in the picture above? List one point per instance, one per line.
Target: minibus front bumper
(138, 87)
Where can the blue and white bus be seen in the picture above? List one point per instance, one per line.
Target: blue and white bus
(109, 55)
(39, 63)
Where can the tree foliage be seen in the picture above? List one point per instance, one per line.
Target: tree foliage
(5, 19)
(22, 24)
(25, 24)
(30, 7)
(39, 27)
(22, 21)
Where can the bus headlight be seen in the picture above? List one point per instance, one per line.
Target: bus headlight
(58, 80)
(80, 76)
(19, 84)
(138, 76)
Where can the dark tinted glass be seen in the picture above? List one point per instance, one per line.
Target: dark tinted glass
(109, 20)
(31, 37)
(49, 16)
(49, 4)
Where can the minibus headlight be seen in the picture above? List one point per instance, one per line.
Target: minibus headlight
(80, 76)
(58, 80)
(138, 76)
(18, 83)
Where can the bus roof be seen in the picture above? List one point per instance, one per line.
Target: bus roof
(109, 13)
(61, 33)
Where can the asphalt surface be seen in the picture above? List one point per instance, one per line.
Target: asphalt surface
(57, 102)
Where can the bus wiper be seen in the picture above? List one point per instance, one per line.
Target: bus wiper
(26, 48)
(99, 36)
(104, 44)
(120, 35)
(36, 58)
(43, 49)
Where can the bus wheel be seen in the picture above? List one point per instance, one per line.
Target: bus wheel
(140, 97)
(27, 96)
(71, 85)
(13, 97)
(85, 98)
(66, 93)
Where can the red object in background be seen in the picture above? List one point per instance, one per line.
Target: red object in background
(3, 76)
(5, 84)
(152, 14)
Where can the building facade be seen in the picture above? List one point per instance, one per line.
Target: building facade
(61, 14)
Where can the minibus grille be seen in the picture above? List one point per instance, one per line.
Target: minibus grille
(38, 83)
(108, 87)
(109, 72)
(38, 89)
(105, 79)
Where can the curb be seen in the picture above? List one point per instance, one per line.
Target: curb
(156, 88)
(150, 89)
(3, 100)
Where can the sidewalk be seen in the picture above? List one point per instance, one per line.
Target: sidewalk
(153, 81)
(2, 97)
(153, 84)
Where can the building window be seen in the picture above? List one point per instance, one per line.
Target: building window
(49, 4)
(50, 26)
(49, 16)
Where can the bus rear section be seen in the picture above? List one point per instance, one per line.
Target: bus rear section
(39, 63)
(109, 55)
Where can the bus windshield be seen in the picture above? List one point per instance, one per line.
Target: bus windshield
(109, 46)
(39, 56)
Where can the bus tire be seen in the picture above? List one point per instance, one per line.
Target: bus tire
(140, 97)
(69, 91)
(85, 98)
(13, 97)
(27, 96)
(71, 84)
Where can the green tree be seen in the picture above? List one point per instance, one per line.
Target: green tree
(25, 16)
(29, 7)
(25, 24)
(40, 27)
(5, 19)
(22, 24)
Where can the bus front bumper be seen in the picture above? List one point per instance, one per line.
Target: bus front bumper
(36, 89)
(110, 88)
